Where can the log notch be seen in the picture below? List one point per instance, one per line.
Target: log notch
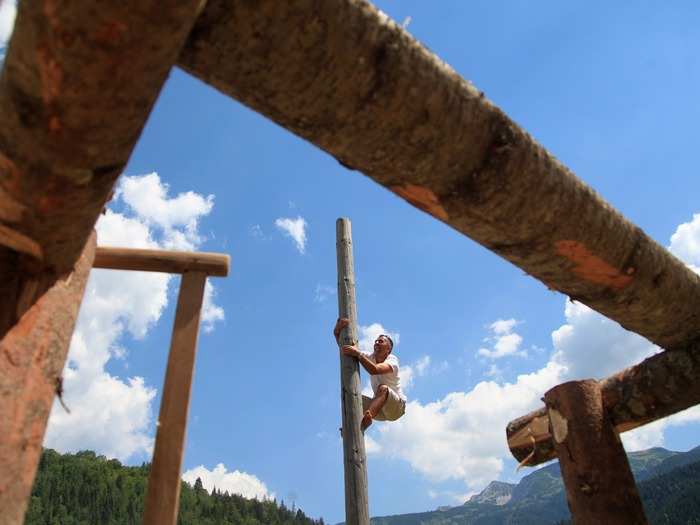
(77, 85)
(598, 480)
(32, 355)
(163, 496)
(354, 457)
(658, 387)
(343, 76)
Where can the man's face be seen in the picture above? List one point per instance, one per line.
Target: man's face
(382, 348)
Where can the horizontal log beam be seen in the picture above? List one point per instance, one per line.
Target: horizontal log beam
(343, 76)
(658, 387)
(212, 264)
(77, 85)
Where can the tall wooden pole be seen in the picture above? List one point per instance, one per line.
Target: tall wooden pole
(163, 496)
(354, 458)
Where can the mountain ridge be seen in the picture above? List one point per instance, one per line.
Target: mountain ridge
(539, 497)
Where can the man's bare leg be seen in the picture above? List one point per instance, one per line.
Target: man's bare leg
(375, 406)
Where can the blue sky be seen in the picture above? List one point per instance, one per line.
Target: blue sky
(609, 89)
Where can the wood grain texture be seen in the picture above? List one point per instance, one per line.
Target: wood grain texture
(599, 484)
(32, 356)
(163, 493)
(354, 456)
(659, 386)
(213, 264)
(76, 87)
(347, 78)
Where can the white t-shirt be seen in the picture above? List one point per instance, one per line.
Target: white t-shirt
(390, 379)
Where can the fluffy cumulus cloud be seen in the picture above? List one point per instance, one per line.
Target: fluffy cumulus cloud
(685, 243)
(503, 340)
(294, 228)
(110, 414)
(461, 436)
(177, 217)
(235, 482)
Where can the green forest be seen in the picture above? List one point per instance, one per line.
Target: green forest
(86, 489)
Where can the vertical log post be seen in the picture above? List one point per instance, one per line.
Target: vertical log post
(163, 496)
(354, 458)
(599, 484)
(32, 355)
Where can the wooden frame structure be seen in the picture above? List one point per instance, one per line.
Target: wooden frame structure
(163, 497)
(346, 78)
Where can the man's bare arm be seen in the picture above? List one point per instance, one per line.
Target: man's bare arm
(372, 368)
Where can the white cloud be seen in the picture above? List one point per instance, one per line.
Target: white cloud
(211, 312)
(296, 229)
(368, 334)
(323, 292)
(109, 414)
(505, 342)
(8, 12)
(235, 482)
(685, 243)
(256, 232)
(462, 435)
(177, 217)
(590, 345)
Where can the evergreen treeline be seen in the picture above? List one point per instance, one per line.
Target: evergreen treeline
(86, 489)
(673, 498)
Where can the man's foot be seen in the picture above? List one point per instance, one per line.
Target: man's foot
(366, 421)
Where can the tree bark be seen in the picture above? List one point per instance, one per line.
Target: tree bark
(348, 79)
(659, 386)
(354, 457)
(77, 85)
(599, 484)
(32, 356)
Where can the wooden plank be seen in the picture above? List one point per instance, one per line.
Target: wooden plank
(213, 264)
(163, 493)
(599, 484)
(345, 77)
(32, 357)
(76, 88)
(354, 456)
(659, 386)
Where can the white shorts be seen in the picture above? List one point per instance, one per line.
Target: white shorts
(393, 409)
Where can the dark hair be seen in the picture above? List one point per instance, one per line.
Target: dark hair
(391, 341)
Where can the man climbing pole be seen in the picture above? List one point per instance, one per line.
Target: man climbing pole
(388, 402)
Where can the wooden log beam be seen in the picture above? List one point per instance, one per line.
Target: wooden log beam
(354, 456)
(163, 496)
(343, 76)
(32, 357)
(599, 484)
(76, 88)
(662, 385)
(212, 264)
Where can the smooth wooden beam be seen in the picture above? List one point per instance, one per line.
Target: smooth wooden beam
(659, 386)
(212, 264)
(347, 78)
(163, 493)
(599, 484)
(354, 456)
(32, 356)
(76, 87)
